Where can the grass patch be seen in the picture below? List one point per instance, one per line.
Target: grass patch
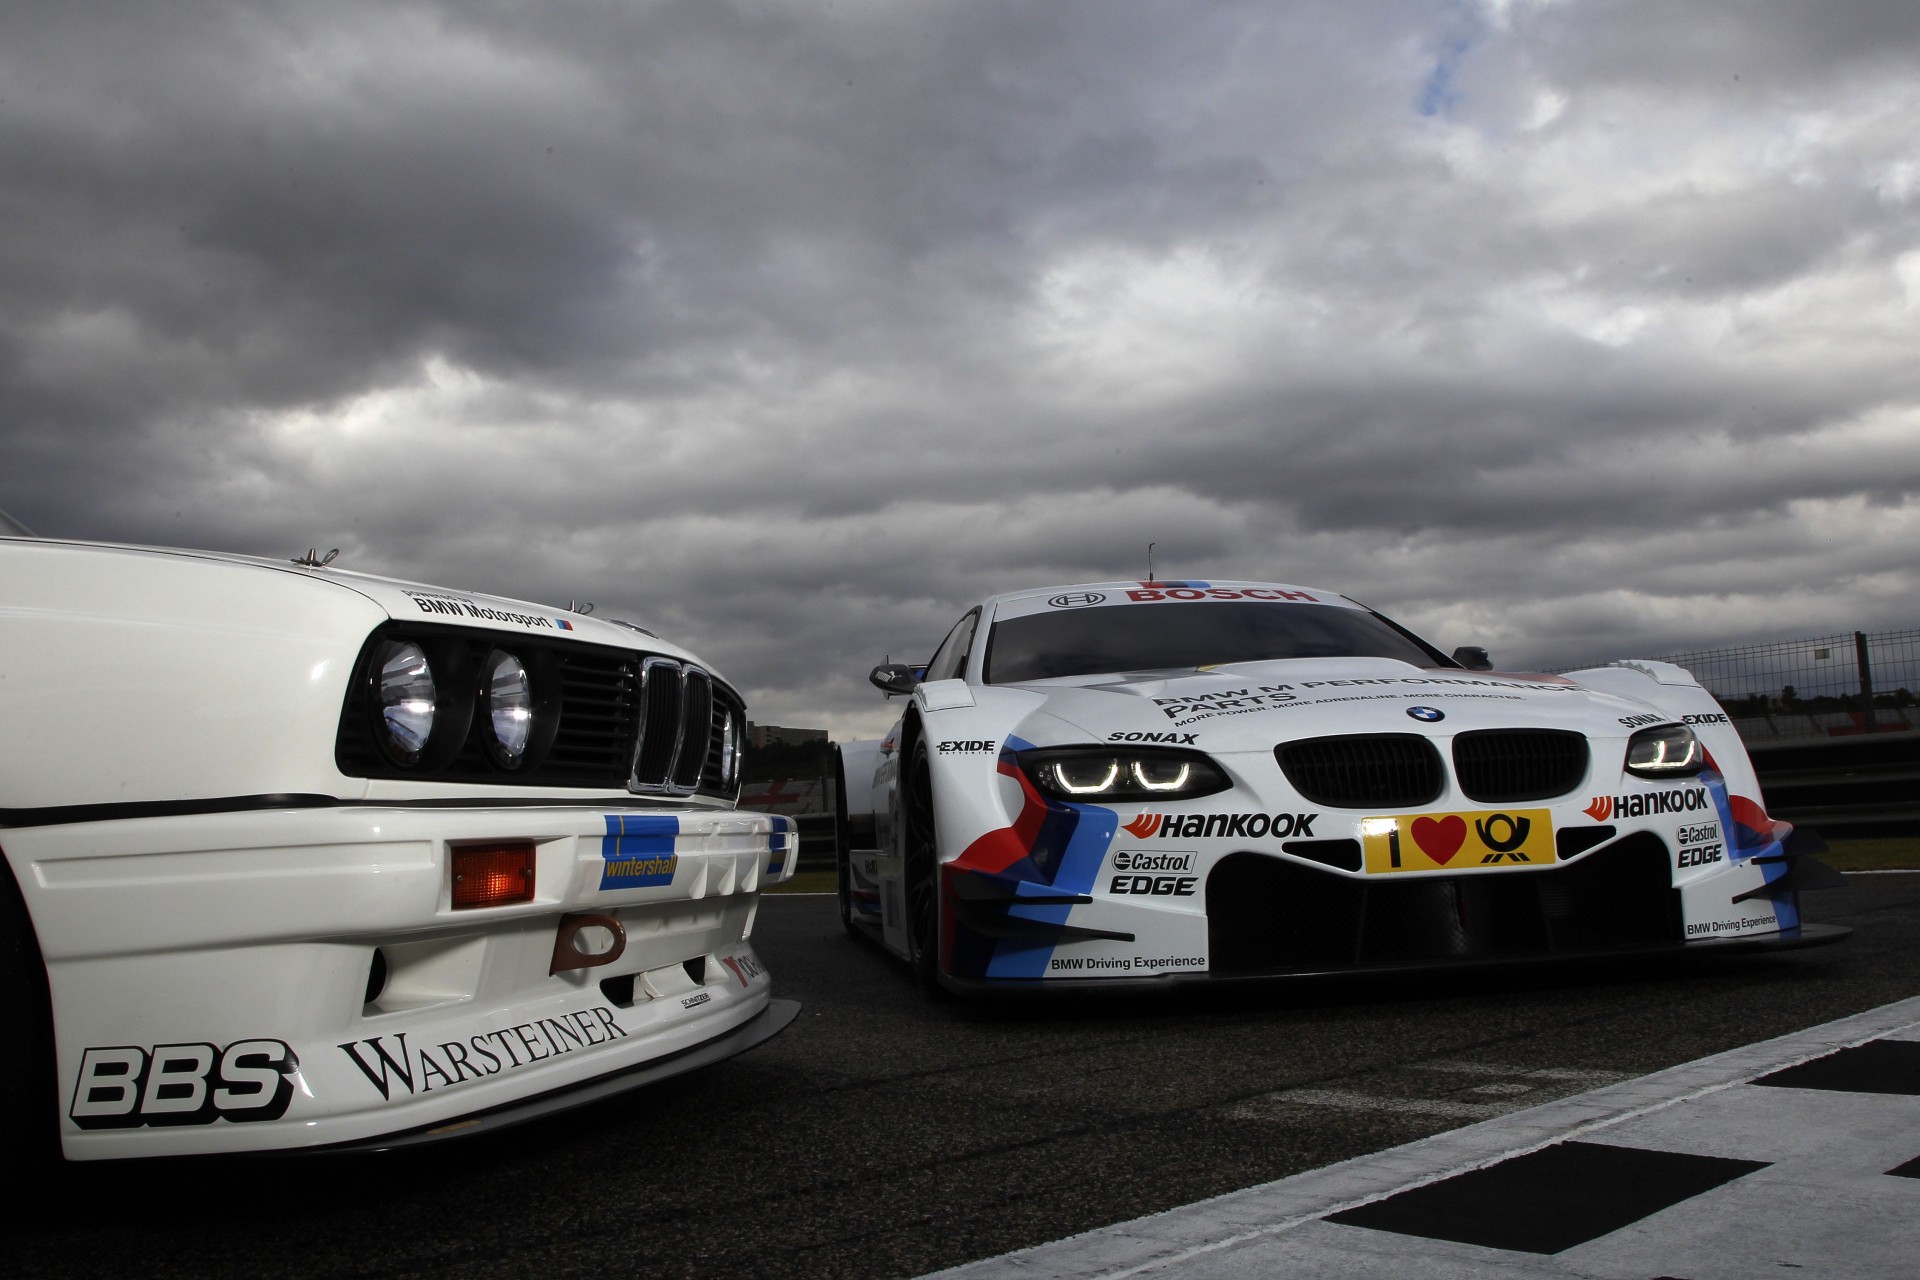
(807, 882)
(1892, 853)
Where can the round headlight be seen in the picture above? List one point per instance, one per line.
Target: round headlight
(509, 695)
(729, 749)
(406, 695)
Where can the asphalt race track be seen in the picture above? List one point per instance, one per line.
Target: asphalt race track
(884, 1135)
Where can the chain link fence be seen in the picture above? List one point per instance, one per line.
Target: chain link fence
(1824, 687)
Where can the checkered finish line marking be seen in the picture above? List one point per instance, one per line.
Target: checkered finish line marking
(1549, 1200)
(1198, 1234)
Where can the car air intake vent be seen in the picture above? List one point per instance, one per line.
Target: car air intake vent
(697, 733)
(1364, 771)
(596, 719)
(1506, 766)
(691, 734)
(661, 688)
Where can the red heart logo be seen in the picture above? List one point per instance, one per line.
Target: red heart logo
(1440, 840)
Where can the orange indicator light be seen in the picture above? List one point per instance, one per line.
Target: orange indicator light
(492, 875)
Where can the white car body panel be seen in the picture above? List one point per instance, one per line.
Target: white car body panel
(1141, 873)
(246, 947)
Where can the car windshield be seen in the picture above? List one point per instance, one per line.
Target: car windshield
(1078, 642)
(11, 528)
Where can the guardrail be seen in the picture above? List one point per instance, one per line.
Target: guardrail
(1856, 786)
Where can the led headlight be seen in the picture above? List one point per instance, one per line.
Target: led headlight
(407, 698)
(1102, 775)
(509, 703)
(1665, 751)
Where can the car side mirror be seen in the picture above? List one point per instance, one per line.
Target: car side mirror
(1473, 658)
(896, 677)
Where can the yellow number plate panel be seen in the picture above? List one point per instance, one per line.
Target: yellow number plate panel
(1458, 841)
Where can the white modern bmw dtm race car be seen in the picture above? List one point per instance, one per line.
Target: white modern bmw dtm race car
(1164, 780)
(296, 857)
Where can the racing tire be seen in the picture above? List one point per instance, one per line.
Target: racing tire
(29, 1125)
(843, 849)
(921, 872)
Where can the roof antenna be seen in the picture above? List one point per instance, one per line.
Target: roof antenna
(1150, 547)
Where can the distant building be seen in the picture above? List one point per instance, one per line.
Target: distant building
(764, 735)
(789, 795)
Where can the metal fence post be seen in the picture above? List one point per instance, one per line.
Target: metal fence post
(1866, 678)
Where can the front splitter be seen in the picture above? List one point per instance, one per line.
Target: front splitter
(759, 1029)
(1806, 935)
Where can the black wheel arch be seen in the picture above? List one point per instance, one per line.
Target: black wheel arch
(923, 961)
(29, 1120)
(910, 733)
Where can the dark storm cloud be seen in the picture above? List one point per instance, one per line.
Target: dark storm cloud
(791, 329)
(1769, 47)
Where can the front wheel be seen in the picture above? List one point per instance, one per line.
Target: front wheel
(921, 857)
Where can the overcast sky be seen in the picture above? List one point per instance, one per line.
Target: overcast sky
(1576, 330)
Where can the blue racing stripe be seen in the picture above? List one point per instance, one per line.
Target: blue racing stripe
(637, 851)
(1085, 849)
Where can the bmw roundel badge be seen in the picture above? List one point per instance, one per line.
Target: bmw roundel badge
(1428, 714)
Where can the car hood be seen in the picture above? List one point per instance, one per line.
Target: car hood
(1252, 705)
(407, 601)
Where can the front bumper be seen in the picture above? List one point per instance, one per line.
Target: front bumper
(298, 978)
(762, 1027)
(1249, 915)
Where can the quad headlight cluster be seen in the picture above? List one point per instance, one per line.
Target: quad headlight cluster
(425, 705)
(1665, 751)
(1102, 775)
(463, 704)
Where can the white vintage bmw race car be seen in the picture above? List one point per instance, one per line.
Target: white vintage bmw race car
(297, 857)
(1167, 780)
